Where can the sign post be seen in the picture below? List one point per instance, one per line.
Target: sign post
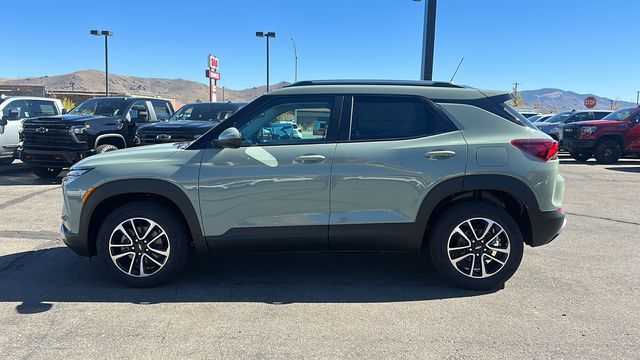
(590, 102)
(213, 75)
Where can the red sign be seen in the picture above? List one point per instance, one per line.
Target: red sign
(590, 102)
(213, 62)
(211, 74)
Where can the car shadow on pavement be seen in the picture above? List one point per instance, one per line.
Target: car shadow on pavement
(629, 169)
(20, 174)
(37, 279)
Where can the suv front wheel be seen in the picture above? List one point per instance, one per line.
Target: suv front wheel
(608, 152)
(476, 245)
(142, 244)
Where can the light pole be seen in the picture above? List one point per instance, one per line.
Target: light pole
(267, 35)
(106, 34)
(297, 55)
(637, 98)
(429, 39)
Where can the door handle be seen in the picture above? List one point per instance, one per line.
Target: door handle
(309, 159)
(440, 154)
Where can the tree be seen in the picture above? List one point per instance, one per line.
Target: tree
(517, 97)
(67, 104)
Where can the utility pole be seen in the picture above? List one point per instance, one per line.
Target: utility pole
(223, 94)
(637, 98)
(72, 85)
(429, 39)
(297, 55)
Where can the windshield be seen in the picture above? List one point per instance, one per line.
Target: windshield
(559, 118)
(100, 107)
(203, 112)
(620, 114)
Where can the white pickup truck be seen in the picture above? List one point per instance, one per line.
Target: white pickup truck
(13, 110)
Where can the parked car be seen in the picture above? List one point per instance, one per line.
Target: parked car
(554, 124)
(527, 112)
(540, 118)
(434, 168)
(187, 124)
(51, 143)
(13, 111)
(617, 134)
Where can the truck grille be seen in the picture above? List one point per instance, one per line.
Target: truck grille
(570, 133)
(159, 138)
(42, 133)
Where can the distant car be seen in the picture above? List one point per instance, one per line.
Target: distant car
(540, 118)
(187, 124)
(285, 130)
(607, 140)
(13, 111)
(553, 126)
(527, 113)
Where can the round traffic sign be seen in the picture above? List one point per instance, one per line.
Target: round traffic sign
(590, 102)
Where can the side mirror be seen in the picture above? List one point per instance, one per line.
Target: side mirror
(64, 111)
(229, 138)
(3, 122)
(14, 114)
(635, 121)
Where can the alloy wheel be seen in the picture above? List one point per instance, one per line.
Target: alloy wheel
(478, 248)
(139, 247)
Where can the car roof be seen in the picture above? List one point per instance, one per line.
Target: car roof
(216, 103)
(28, 98)
(429, 89)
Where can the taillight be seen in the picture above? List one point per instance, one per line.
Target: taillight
(543, 149)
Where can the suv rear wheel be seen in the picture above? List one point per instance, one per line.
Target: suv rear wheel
(608, 152)
(476, 245)
(142, 244)
(46, 172)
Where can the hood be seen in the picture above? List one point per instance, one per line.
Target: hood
(182, 125)
(140, 154)
(70, 119)
(600, 123)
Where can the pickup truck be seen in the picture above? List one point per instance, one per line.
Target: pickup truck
(98, 125)
(607, 140)
(13, 111)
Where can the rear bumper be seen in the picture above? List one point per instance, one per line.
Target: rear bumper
(76, 242)
(53, 158)
(578, 146)
(546, 226)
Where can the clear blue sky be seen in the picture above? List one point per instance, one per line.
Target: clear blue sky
(580, 45)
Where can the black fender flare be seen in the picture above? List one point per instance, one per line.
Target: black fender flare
(156, 187)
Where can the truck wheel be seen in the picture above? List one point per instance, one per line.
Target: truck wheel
(608, 152)
(46, 172)
(476, 245)
(142, 244)
(105, 147)
(580, 156)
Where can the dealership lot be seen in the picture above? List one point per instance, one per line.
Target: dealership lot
(577, 297)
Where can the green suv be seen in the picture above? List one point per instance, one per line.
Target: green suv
(435, 168)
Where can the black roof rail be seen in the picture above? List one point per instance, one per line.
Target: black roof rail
(377, 82)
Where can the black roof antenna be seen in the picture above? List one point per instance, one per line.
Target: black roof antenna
(455, 72)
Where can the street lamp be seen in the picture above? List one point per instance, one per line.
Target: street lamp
(429, 39)
(297, 55)
(106, 35)
(267, 35)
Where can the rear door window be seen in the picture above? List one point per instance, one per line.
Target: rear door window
(385, 117)
(42, 108)
(162, 109)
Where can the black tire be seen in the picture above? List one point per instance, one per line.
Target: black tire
(6, 162)
(608, 152)
(46, 172)
(439, 238)
(105, 148)
(581, 157)
(175, 243)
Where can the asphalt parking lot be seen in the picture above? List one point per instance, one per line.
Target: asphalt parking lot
(578, 297)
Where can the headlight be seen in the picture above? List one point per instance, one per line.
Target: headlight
(588, 130)
(79, 129)
(78, 172)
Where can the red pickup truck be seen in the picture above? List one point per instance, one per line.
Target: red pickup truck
(607, 140)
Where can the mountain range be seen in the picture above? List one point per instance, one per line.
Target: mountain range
(183, 91)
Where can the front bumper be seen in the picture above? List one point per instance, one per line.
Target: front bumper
(578, 146)
(546, 226)
(76, 242)
(53, 158)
